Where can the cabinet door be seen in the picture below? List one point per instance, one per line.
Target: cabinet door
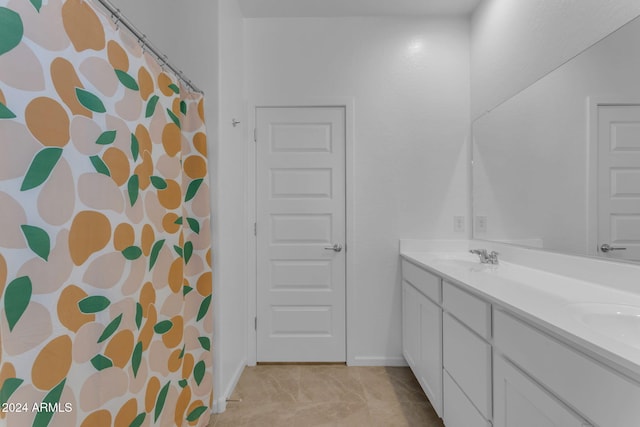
(467, 358)
(430, 365)
(458, 409)
(411, 325)
(520, 402)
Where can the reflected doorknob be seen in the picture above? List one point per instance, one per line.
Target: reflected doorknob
(607, 248)
(336, 248)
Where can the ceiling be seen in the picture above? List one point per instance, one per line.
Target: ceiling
(334, 8)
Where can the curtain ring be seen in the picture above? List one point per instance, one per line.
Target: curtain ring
(116, 21)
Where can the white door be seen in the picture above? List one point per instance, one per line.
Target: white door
(301, 271)
(619, 181)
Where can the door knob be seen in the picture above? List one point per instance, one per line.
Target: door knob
(337, 248)
(607, 248)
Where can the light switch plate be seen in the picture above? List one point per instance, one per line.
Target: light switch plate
(481, 224)
(458, 224)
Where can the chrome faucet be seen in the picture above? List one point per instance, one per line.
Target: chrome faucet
(486, 258)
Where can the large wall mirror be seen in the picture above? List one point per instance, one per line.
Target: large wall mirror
(558, 165)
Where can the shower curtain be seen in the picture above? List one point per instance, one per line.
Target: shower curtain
(105, 260)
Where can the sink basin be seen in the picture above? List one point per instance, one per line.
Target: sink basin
(617, 321)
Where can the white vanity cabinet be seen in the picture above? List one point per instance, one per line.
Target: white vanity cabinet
(483, 363)
(599, 394)
(422, 329)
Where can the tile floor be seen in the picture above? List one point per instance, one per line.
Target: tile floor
(327, 395)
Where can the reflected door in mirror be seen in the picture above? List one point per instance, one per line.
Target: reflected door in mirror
(619, 181)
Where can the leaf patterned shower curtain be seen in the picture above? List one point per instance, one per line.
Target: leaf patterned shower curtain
(105, 261)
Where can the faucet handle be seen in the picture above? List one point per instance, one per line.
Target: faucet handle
(482, 253)
(493, 257)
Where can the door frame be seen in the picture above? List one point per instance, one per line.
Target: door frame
(593, 103)
(348, 103)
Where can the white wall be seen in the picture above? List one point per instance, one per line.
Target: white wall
(410, 82)
(514, 43)
(230, 232)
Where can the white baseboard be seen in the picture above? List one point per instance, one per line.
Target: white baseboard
(377, 361)
(220, 403)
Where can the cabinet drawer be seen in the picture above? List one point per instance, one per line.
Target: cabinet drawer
(471, 310)
(467, 358)
(427, 283)
(458, 411)
(603, 396)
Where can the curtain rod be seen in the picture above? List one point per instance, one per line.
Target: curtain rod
(146, 44)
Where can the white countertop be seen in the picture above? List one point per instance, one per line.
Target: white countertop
(558, 303)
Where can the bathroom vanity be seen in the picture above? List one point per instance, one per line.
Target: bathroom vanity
(525, 342)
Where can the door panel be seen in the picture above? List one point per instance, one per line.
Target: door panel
(619, 180)
(300, 216)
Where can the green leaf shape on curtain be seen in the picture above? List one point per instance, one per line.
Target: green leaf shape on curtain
(110, 329)
(178, 221)
(43, 418)
(162, 396)
(178, 250)
(204, 308)
(205, 342)
(133, 187)
(135, 147)
(37, 4)
(99, 165)
(183, 383)
(198, 371)
(101, 362)
(158, 182)
(5, 113)
(181, 355)
(132, 253)
(151, 106)
(138, 315)
(17, 296)
(107, 137)
(93, 304)
(136, 358)
(41, 166)
(38, 240)
(90, 101)
(186, 290)
(155, 251)
(194, 225)
(196, 413)
(188, 251)
(9, 386)
(11, 30)
(163, 327)
(126, 80)
(174, 88)
(137, 421)
(183, 108)
(192, 189)
(174, 118)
